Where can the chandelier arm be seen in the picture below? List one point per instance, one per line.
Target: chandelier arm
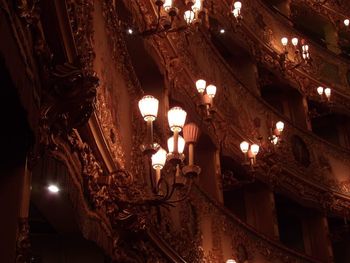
(184, 197)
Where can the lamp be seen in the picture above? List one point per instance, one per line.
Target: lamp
(231, 261)
(284, 41)
(320, 91)
(295, 41)
(324, 91)
(207, 94)
(189, 16)
(148, 106)
(301, 53)
(236, 10)
(327, 92)
(346, 22)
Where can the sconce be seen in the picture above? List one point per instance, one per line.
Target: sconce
(324, 92)
(148, 106)
(207, 94)
(194, 14)
(250, 151)
(301, 51)
(236, 10)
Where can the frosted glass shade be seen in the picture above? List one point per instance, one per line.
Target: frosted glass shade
(320, 90)
(327, 92)
(189, 16)
(284, 41)
(201, 85)
(237, 5)
(305, 48)
(255, 149)
(197, 5)
(295, 41)
(191, 133)
(280, 126)
(148, 106)
(244, 146)
(211, 91)
(176, 118)
(159, 159)
(180, 144)
(235, 13)
(346, 22)
(167, 5)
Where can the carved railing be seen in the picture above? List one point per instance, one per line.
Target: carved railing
(262, 30)
(240, 235)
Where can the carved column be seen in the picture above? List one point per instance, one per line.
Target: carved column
(23, 250)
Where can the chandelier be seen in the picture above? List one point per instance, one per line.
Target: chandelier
(301, 53)
(207, 94)
(166, 184)
(250, 151)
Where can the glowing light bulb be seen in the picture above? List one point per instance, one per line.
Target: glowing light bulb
(244, 146)
(320, 90)
(295, 41)
(280, 126)
(200, 85)
(284, 41)
(53, 188)
(346, 22)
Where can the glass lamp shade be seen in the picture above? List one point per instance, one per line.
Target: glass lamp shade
(180, 144)
(280, 126)
(197, 5)
(231, 261)
(346, 22)
(295, 41)
(200, 85)
(327, 92)
(320, 90)
(176, 118)
(148, 106)
(284, 41)
(305, 48)
(237, 5)
(167, 5)
(191, 133)
(159, 159)
(211, 91)
(255, 149)
(244, 146)
(189, 16)
(274, 139)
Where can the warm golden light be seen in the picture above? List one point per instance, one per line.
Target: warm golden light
(280, 126)
(244, 146)
(197, 6)
(176, 118)
(201, 85)
(284, 41)
(295, 41)
(255, 149)
(167, 5)
(320, 90)
(189, 16)
(148, 106)
(180, 144)
(211, 91)
(159, 159)
(346, 22)
(327, 92)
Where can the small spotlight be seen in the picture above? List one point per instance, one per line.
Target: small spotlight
(222, 31)
(130, 31)
(53, 188)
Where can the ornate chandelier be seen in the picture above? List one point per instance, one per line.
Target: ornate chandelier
(166, 184)
(301, 53)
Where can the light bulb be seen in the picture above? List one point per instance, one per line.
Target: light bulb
(255, 149)
(159, 159)
(167, 5)
(180, 144)
(197, 6)
(211, 91)
(53, 188)
(284, 41)
(148, 106)
(200, 85)
(346, 22)
(327, 92)
(295, 41)
(305, 48)
(280, 126)
(176, 118)
(244, 146)
(274, 139)
(320, 90)
(235, 13)
(189, 16)
(237, 5)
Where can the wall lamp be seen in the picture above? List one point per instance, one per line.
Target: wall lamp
(301, 52)
(166, 183)
(207, 94)
(324, 92)
(236, 10)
